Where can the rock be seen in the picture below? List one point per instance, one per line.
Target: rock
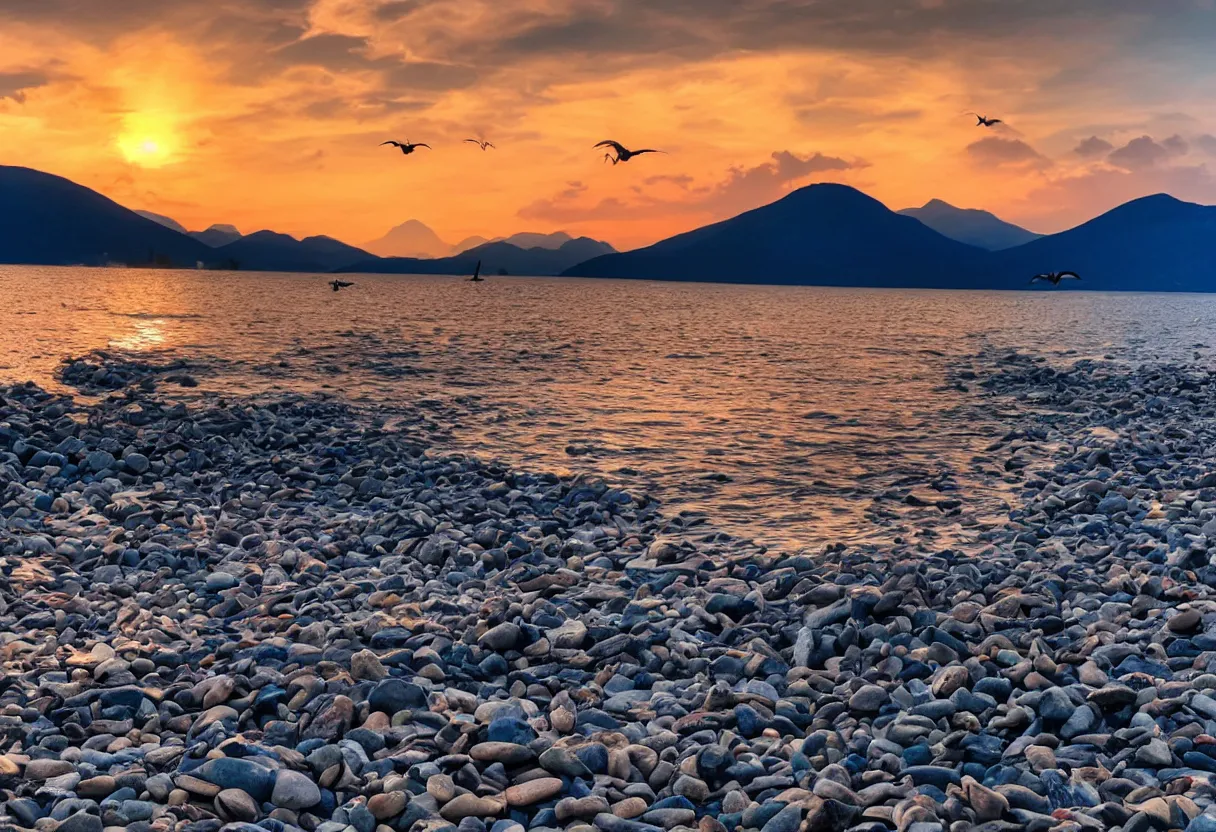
(394, 695)
(365, 665)
(868, 699)
(1185, 621)
(233, 773)
(387, 805)
(470, 806)
(507, 753)
(236, 805)
(500, 638)
(533, 791)
(46, 769)
(80, 821)
(293, 790)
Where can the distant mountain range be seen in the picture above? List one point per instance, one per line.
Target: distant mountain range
(215, 236)
(495, 258)
(414, 239)
(822, 234)
(834, 235)
(968, 225)
(818, 235)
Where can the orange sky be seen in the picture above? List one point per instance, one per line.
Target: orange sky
(268, 113)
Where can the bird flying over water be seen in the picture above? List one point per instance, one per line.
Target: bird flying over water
(477, 278)
(339, 284)
(623, 154)
(482, 143)
(982, 121)
(1054, 278)
(406, 147)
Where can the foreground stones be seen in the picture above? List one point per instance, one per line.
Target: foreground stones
(268, 613)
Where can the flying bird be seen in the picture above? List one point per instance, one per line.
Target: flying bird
(339, 284)
(477, 278)
(482, 143)
(406, 147)
(982, 121)
(623, 154)
(1054, 278)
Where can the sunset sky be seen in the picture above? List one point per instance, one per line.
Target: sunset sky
(268, 113)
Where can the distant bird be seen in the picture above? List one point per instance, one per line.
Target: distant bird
(406, 147)
(985, 122)
(1054, 278)
(477, 278)
(482, 143)
(623, 154)
(339, 284)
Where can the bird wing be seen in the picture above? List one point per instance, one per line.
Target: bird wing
(648, 150)
(474, 141)
(1073, 275)
(423, 144)
(614, 145)
(995, 121)
(489, 144)
(394, 144)
(1038, 277)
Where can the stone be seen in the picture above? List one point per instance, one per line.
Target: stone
(533, 791)
(293, 790)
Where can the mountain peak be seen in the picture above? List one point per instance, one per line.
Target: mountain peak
(972, 226)
(412, 238)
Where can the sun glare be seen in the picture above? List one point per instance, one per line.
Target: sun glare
(147, 140)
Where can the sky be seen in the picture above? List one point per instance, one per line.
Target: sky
(268, 113)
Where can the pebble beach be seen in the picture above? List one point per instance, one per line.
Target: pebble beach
(273, 613)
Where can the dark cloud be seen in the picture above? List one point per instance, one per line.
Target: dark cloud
(427, 75)
(333, 52)
(1093, 147)
(14, 85)
(1207, 143)
(1139, 153)
(1175, 146)
(995, 151)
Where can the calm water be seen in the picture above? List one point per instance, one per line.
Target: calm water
(785, 414)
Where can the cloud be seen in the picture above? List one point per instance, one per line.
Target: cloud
(1207, 143)
(1093, 147)
(997, 152)
(333, 52)
(742, 189)
(1143, 152)
(14, 85)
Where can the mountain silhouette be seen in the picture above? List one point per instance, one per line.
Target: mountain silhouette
(1156, 243)
(970, 226)
(822, 234)
(49, 220)
(268, 251)
(410, 239)
(161, 219)
(468, 243)
(496, 258)
(217, 235)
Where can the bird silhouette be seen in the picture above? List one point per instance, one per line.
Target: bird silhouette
(339, 284)
(482, 143)
(406, 147)
(1054, 278)
(477, 278)
(982, 121)
(623, 154)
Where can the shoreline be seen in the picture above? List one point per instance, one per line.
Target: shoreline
(266, 612)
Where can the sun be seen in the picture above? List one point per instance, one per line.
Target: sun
(147, 140)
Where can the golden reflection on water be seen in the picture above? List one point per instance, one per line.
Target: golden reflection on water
(784, 413)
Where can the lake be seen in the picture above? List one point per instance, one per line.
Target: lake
(795, 416)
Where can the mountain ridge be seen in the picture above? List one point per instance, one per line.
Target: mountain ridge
(970, 225)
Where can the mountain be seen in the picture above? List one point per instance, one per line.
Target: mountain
(1157, 243)
(161, 219)
(468, 243)
(824, 234)
(217, 235)
(266, 251)
(970, 226)
(496, 258)
(49, 220)
(410, 239)
(532, 239)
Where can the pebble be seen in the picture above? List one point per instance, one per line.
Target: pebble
(276, 612)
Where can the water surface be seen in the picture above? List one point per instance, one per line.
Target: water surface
(796, 416)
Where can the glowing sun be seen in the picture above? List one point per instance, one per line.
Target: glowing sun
(147, 141)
